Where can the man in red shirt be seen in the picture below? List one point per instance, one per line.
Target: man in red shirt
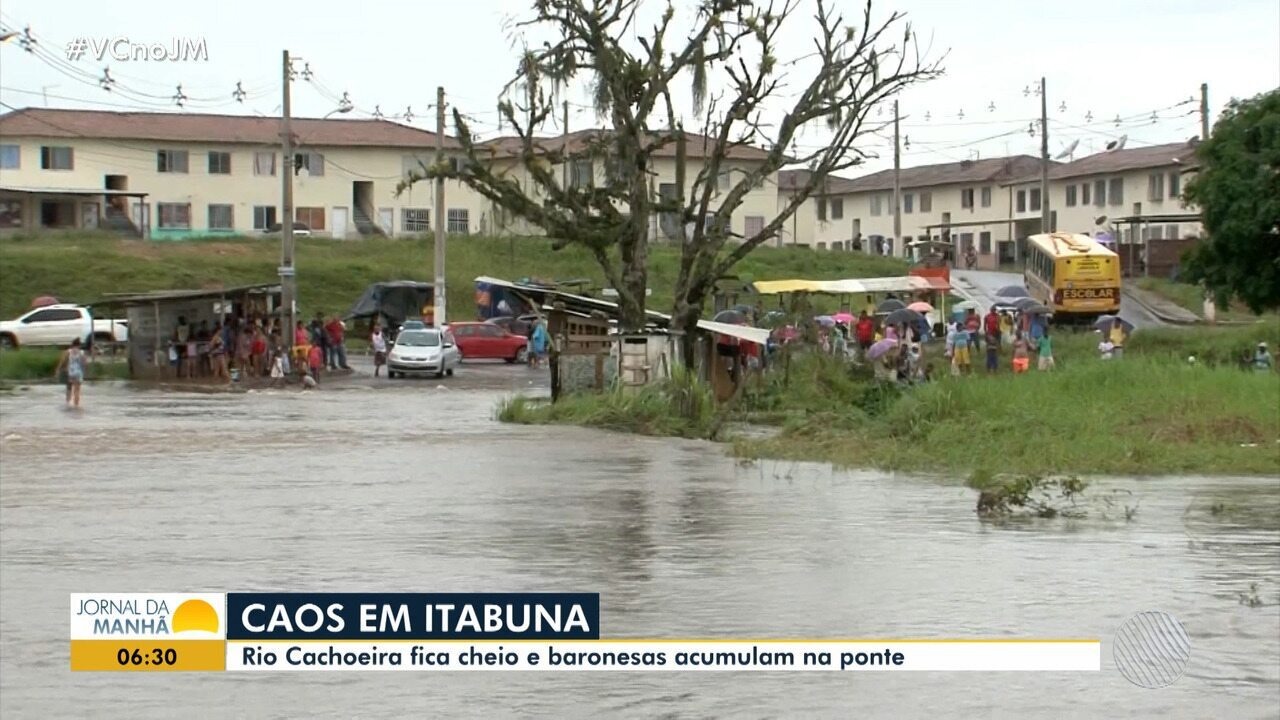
(973, 324)
(991, 324)
(337, 331)
(865, 331)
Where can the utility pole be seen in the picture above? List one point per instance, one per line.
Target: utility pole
(1210, 307)
(1046, 215)
(438, 300)
(897, 179)
(564, 145)
(288, 280)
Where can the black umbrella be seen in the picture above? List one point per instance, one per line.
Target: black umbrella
(889, 306)
(733, 317)
(903, 316)
(1023, 303)
(1012, 291)
(1104, 323)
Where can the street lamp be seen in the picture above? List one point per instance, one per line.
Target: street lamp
(340, 109)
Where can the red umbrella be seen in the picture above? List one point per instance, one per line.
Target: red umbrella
(44, 300)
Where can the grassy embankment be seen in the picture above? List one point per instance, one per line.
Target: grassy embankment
(1191, 297)
(1150, 413)
(333, 274)
(37, 364)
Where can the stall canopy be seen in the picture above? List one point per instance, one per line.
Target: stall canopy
(580, 304)
(854, 286)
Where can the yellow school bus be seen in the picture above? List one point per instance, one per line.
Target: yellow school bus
(1072, 274)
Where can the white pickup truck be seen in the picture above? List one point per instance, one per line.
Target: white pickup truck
(59, 325)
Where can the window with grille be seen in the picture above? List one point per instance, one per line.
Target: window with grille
(754, 225)
(174, 216)
(459, 221)
(415, 220)
(171, 161)
(221, 217)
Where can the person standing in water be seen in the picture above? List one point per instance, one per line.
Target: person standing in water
(72, 363)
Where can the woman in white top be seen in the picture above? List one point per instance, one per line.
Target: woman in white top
(379, 343)
(71, 368)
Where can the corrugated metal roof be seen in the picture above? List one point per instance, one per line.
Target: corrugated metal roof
(207, 128)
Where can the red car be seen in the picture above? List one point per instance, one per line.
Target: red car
(486, 340)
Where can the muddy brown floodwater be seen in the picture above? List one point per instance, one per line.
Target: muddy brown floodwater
(418, 488)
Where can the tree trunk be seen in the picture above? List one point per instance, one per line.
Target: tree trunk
(685, 319)
(635, 279)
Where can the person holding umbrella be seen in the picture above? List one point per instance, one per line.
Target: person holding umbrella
(865, 331)
(1116, 336)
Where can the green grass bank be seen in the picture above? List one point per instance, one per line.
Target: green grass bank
(332, 273)
(1150, 413)
(38, 364)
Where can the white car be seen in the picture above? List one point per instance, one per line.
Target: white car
(427, 351)
(59, 325)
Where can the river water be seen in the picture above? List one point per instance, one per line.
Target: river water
(418, 488)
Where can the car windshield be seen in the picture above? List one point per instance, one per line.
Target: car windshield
(419, 338)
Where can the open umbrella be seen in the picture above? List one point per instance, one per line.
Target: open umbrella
(920, 306)
(904, 316)
(1023, 303)
(880, 348)
(44, 300)
(888, 306)
(825, 320)
(1036, 308)
(843, 317)
(1012, 291)
(1104, 323)
(733, 317)
(965, 306)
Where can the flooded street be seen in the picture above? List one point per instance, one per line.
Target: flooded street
(413, 486)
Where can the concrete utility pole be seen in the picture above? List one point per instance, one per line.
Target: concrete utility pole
(438, 300)
(288, 280)
(564, 146)
(897, 179)
(1210, 307)
(1046, 216)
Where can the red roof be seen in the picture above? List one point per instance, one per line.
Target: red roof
(206, 128)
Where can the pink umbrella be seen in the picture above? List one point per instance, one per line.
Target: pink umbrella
(44, 300)
(882, 347)
(843, 318)
(920, 306)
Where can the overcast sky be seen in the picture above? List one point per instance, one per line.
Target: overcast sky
(1101, 58)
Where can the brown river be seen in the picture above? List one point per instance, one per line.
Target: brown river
(415, 487)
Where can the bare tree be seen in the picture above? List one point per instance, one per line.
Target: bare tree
(745, 101)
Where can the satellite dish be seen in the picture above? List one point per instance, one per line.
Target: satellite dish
(1100, 220)
(1117, 144)
(1069, 151)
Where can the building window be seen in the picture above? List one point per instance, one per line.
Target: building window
(1100, 193)
(1116, 191)
(837, 208)
(10, 213)
(875, 204)
(908, 203)
(723, 181)
(1022, 201)
(221, 217)
(1035, 199)
(926, 202)
(1071, 196)
(986, 197)
(1155, 186)
(10, 156)
(219, 163)
(311, 217)
(415, 220)
(1175, 185)
(1084, 193)
(579, 177)
(966, 199)
(53, 157)
(822, 246)
(312, 162)
(984, 243)
(171, 161)
(822, 209)
(1171, 232)
(754, 225)
(174, 216)
(459, 221)
(264, 217)
(264, 163)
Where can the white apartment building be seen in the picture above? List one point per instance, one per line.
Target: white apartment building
(587, 166)
(173, 175)
(960, 201)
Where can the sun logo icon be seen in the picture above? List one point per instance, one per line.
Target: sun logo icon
(195, 614)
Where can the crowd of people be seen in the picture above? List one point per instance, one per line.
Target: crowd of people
(254, 347)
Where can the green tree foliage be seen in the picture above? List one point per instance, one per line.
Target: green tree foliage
(1238, 192)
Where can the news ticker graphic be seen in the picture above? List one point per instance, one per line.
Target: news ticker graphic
(272, 632)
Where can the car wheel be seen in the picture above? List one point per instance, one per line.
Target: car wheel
(7, 342)
(391, 374)
(449, 372)
(522, 356)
